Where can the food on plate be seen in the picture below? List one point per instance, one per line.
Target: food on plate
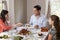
(44, 29)
(27, 25)
(18, 38)
(24, 32)
(36, 26)
(19, 24)
(4, 36)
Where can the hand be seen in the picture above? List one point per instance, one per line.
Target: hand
(14, 25)
(18, 25)
(36, 26)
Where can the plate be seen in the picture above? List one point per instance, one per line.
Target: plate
(3, 33)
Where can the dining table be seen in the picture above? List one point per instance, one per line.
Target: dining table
(33, 36)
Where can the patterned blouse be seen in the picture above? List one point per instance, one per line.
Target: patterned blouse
(53, 32)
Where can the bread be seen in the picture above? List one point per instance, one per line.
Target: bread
(19, 24)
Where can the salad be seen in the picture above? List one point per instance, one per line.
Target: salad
(18, 38)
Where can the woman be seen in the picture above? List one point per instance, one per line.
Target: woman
(54, 33)
(4, 24)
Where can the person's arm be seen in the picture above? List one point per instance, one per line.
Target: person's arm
(50, 37)
(52, 34)
(31, 21)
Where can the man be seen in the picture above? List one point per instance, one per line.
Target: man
(37, 19)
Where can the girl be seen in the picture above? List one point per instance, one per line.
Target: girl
(4, 24)
(54, 33)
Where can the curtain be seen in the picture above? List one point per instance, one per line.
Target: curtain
(4, 4)
(0, 5)
(49, 9)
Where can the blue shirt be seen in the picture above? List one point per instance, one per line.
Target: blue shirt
(40, 21)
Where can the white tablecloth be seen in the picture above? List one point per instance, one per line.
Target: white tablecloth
(33, 35)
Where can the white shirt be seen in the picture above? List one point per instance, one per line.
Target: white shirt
(40, 21)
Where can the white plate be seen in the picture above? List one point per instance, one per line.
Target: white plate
(3, 33)
(6, 39)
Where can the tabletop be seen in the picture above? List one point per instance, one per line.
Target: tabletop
(33, 36)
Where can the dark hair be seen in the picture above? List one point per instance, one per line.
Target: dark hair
(3, 13)
(56, 24)
(38, 7)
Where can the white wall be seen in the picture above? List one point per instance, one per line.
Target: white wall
(17, 10)
(20, 10)
(32, 3)
(10, 4)
(0, 1)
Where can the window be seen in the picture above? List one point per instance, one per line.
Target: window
(0, 7)
(4, 3)
(55, 7)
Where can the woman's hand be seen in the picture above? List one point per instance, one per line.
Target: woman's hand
(17, 24)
